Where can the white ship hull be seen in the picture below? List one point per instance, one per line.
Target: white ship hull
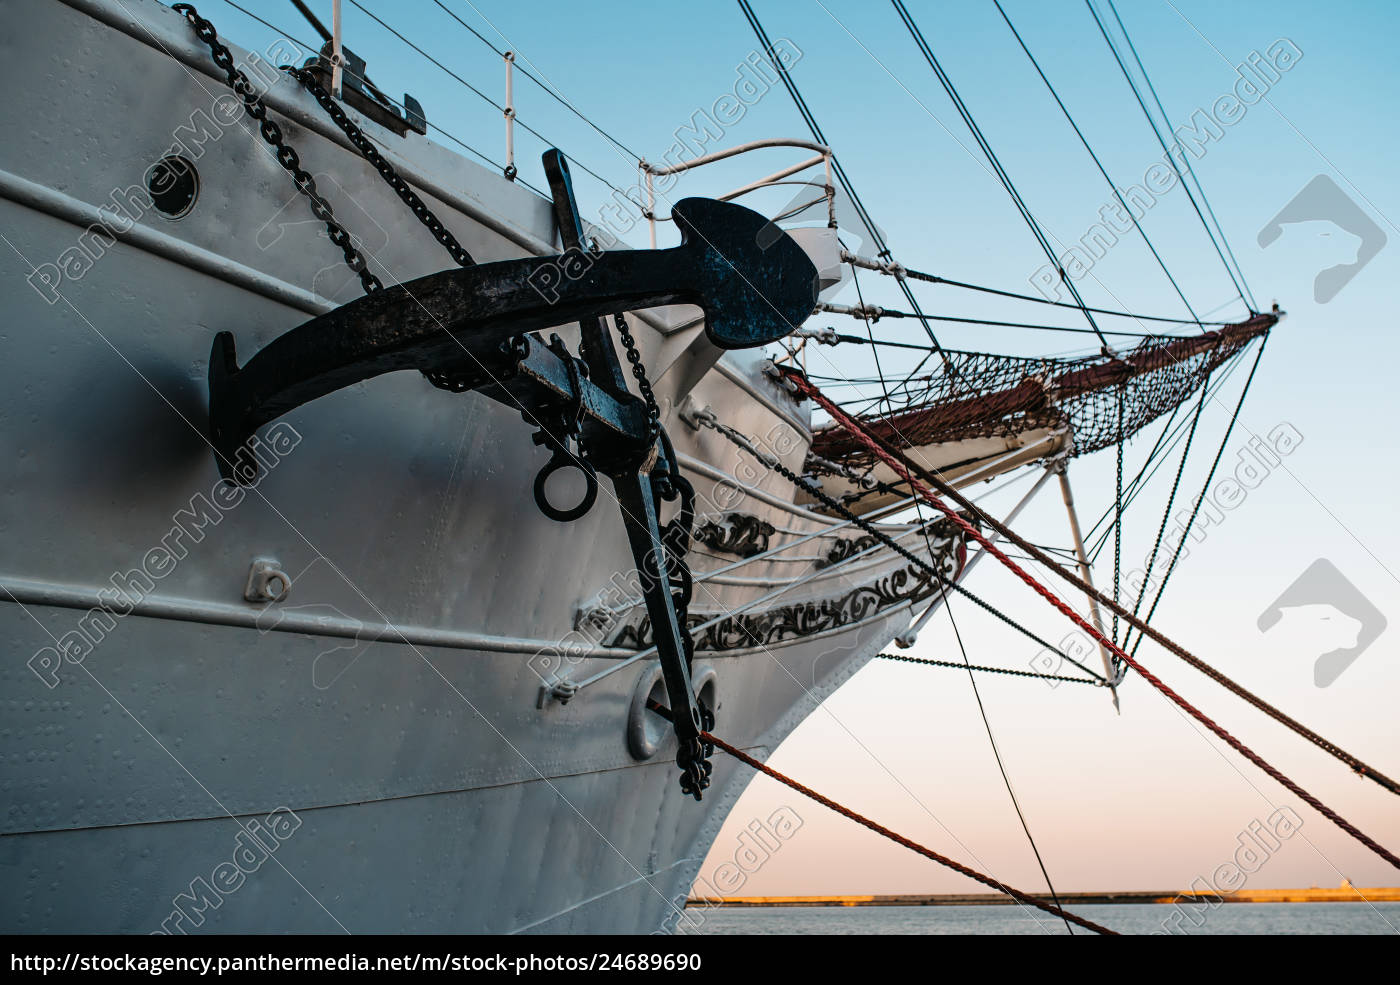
(389, 713)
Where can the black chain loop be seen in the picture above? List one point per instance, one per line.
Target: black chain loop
(286, 156)
(639, 373)
(693, 756)
(990, 670)
(386, 170)
(1118, 525)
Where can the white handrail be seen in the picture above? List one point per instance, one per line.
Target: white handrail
(823, 156)
(720, 155)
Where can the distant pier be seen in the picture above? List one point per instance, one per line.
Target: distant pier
(1340, 894)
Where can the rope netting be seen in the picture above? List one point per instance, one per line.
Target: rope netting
(982, 395)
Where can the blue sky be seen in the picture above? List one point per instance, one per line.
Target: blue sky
(1137, 801)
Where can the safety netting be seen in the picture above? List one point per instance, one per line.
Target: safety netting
(1101, 399)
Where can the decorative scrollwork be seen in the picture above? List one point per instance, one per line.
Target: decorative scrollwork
(937, 532)
(736, 533)
(735, 632)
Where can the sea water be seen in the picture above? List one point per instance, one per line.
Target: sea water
(1127, 918)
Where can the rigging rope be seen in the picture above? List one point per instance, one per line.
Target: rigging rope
(901, 271)
(1172, 435)
(885, 832)
(871, 313)
(519, 122)
(906, 469)
(546, 87)
(1118, 519)
(363, 79)
(832, 503)
(1167, 511)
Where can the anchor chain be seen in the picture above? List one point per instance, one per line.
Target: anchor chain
(443, 379)
(455, 382)
(639, 373)
(693, 756)
(386, 170)
(285, 154)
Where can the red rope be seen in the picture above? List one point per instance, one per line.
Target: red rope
(899, 839)
(895, 463)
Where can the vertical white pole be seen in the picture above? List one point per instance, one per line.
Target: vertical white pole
(1084, 573)
(337, 59)
(651, 207)
(510, 115)
(830, 193)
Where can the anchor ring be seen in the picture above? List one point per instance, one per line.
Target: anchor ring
(563, 460)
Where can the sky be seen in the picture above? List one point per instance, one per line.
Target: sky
(1141, 800)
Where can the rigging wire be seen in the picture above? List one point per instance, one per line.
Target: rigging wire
(985, 670)
(1118, 519)
(1006, 779)
(992, 158)
(1190, 170)
(880, 829)
(1097, 163)
(1132, 84)
(1173, 434)
(1167, 510)
(543, 85)
(934, 279)
(837, 169)
(519, 122)
(1205, 488)
(870, 334)
(895, 313)
(986, 721)
(398, 105)
(906, 469)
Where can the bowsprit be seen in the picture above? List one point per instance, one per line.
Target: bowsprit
(476, 328)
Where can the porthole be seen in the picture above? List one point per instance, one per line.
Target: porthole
(173, 184)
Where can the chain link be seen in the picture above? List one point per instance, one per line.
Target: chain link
(286, 155)
(386, 170)
(990, 670)
(1118, 526)
(639, 373)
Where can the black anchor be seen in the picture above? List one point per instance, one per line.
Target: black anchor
(476, 323)
(459, 320)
